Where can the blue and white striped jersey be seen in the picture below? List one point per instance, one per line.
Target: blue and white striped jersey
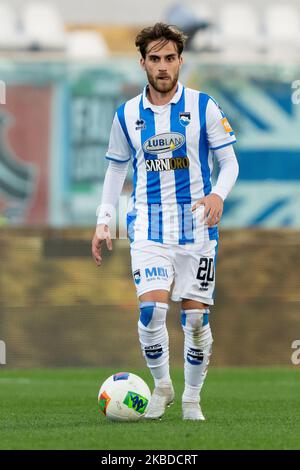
(171, 150)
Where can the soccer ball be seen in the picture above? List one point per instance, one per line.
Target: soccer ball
(124, 397)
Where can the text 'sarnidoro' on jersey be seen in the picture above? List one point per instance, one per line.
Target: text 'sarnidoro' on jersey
(170, 147)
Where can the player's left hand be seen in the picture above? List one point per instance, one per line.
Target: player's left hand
(213, 208)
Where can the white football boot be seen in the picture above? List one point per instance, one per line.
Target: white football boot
(192, 411)
(161, 397)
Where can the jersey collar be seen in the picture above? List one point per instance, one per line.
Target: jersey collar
(175, 99)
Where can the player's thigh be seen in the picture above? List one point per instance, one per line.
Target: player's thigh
(188, 304)
(152, 270)
(158, 295)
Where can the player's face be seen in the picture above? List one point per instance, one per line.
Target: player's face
(162, 65)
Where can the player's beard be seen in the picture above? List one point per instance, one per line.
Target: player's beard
(163, 86)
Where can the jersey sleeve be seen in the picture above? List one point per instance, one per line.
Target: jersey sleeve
(118, 148)
(219, 131)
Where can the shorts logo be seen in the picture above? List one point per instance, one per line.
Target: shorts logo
(167, 164)
(184, 119)
(195, 356)
(137, 276)
(162, 143)
(156, 273)
(153, 352)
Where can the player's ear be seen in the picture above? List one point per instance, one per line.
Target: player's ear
(142, 62)
(180, 60)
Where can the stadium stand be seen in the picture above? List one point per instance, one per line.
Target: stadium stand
(85, 45)
(239, 29)
(205, 40)
(282, 29)
(43, 26)
(187, 20)
(10, 37)
(118, 38)
(245, 30)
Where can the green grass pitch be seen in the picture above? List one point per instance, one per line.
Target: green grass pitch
(57, 409)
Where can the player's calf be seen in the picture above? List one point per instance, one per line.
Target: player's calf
(154, 338)
(197, 350)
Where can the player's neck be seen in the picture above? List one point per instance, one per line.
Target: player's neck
(159, 99)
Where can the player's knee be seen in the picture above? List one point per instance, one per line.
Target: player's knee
(196, 327)
(195, 319)
(153, 332)
(152, 315)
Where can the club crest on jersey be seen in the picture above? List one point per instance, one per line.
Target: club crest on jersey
(140, 124)
(162, 143)
(184, 119)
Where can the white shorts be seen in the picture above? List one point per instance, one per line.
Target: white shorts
(190, 268)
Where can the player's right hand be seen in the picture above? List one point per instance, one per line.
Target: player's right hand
(101, 233)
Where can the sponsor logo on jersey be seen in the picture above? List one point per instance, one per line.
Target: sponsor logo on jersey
(137, 276)
(185, 119)
(226, 125)
(167, 164)
(162, 143)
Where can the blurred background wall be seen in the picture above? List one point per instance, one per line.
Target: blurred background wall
(113, 12)
(64, 68)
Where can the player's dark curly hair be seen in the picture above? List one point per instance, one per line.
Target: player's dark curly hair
(162, 31)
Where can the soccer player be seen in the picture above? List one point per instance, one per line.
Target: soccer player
(170, 134)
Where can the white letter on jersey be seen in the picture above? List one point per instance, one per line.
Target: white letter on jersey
(296, 93)
(2, 353)
(2, 92)
(296, 354)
